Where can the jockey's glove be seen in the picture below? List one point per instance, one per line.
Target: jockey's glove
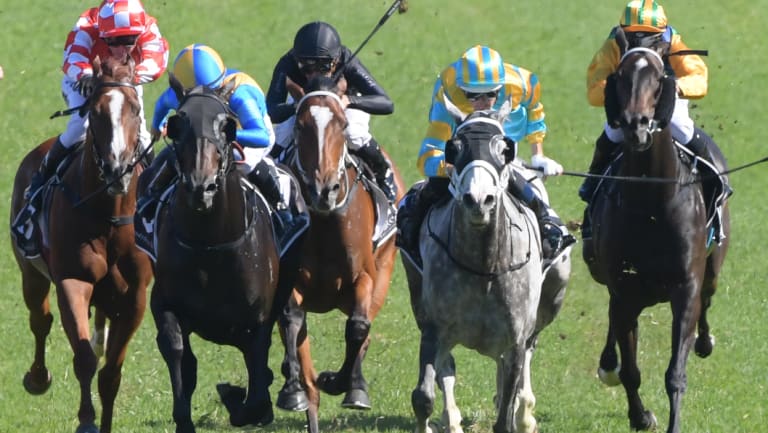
(85, 85)
(548, 166)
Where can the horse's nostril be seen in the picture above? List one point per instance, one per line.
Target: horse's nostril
(468, 199)
(489, 200)
(336, 187)
(211, 187)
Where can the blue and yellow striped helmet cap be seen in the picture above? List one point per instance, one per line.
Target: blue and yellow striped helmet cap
(643, 16)
(480, 70)
(199, 64)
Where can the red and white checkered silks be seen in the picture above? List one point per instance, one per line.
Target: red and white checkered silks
(121, 18)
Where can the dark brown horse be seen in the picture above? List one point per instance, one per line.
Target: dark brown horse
(341, 268)
(218, 269)
(650, 240)
(88, 248)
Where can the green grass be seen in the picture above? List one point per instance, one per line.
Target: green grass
(555, 39)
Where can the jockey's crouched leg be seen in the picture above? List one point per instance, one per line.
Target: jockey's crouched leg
(23, 225)
(412, 212)
(265, 177)
(604, 150)
(161, 173)
(554, 235)
(375, 159)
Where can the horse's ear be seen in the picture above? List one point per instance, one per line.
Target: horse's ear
(175, 126)
(510, 151)
(666, 105)
(96, 64)
(226, 89)
(611, 101)
(452, 149)
(176, 85)
(621, 40)
(230, 130)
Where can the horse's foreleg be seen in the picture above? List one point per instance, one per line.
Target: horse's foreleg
(349, 379)
(36, 288)
(124, 327)
(609, 368)
(293, 328)
(74, 299)
(423, 396)
(446, 379)
(173, 345)
(623, 324)
(257, 408)
(100, 331)
(509, 371)
(705, 341)
(526, 400)
(685, 314)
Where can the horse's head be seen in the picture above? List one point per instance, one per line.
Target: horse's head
(114, 123)
(479, 153)
(203, 130)
(639, 97)
(321, 146)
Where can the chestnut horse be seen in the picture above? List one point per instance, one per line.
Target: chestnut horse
(218, 271)
(341, 268)
(88, 248)
(650, 240)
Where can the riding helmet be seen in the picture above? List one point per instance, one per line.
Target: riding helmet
(480, 69)
(121, 18)
(643, 16)
(317, 40)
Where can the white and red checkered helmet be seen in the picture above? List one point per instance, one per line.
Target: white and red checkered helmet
(121, 18)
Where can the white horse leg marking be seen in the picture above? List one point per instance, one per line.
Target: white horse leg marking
(525, 401)
(451, 413)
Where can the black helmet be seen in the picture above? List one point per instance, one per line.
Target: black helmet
(317, 40)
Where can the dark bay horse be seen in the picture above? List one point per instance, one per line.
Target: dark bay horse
(650, 240)
(88, 248)
(218, 269)
(341, 268)
(481, 285)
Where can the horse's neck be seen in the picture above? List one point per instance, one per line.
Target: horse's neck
(480, 248)
(661, 161)
(225, 222)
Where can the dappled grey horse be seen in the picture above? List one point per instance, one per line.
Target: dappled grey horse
(481, 284)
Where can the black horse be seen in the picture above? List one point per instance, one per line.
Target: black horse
(218, 269)
(650, 239)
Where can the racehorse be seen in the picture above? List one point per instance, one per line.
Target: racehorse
(341, 267)
(218, 268)
(650, 240)
(481, 285)
(87, 237)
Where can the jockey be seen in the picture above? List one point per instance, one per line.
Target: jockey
(199, 64)
(480, 80)
(317, 49)
(644, 21)
(117, 28)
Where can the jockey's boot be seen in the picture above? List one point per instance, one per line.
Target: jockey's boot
(264, 176)
(371, 154)
(22, 225)
(604, 149)
(554, 234)
(161, 178)
(411, 215)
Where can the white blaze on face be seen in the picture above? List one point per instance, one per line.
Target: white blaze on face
(323, 116)
(116, 101)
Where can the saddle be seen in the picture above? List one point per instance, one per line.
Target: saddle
(385, 212)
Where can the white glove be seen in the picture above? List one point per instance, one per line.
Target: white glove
(548, 166)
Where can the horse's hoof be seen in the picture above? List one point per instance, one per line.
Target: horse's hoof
(257, 415)
(647, 422)
(356, 399)
(609, 378)
(33, 387)
(87, 428)
(328, 382)
(703, 347)
(294, 401)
